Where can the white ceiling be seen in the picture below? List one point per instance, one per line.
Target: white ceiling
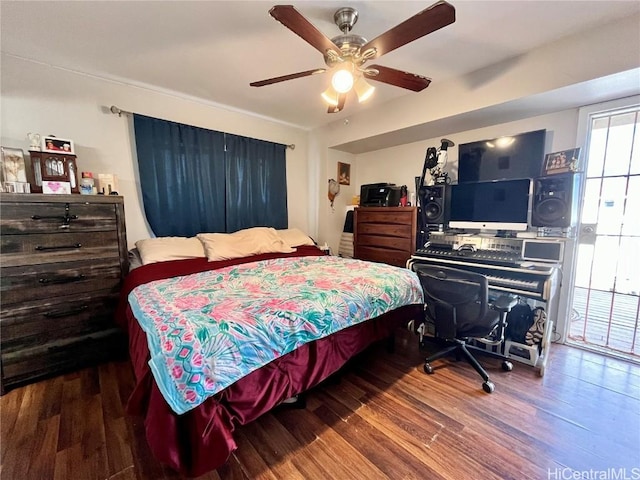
(212, 50)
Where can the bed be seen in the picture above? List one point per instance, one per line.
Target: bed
(195, 435)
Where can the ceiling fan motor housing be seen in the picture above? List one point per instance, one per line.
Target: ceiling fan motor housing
(345, 18)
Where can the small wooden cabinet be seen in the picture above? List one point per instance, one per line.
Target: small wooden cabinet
(55, 167)
(385, 234)
(62, 261)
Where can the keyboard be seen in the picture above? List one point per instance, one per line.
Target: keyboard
(487, 257)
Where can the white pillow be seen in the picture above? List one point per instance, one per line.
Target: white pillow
(243, 243)
(163, 249)
(295, 237)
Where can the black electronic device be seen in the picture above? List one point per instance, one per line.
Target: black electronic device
(543, 250)
(380, 195)
(555, 200)
(517, 156)
(435, 203)
(499, 205)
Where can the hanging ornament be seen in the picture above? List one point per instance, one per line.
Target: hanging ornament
(334, 189)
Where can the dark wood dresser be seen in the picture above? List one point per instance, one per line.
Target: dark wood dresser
(385, 234)
(62, 261)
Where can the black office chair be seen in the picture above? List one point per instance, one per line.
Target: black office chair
(456, 302)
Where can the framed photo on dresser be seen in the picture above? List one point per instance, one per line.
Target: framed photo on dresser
(13, 165)
(57, 145)
(13, 171)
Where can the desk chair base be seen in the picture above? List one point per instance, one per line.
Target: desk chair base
(461, 349)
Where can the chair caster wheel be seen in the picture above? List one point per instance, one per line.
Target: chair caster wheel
(428, 368)
(488, 386)
(507, 366)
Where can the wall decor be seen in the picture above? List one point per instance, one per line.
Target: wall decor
(57, 145)
(561, 162)
(344, 173)
(334, 189)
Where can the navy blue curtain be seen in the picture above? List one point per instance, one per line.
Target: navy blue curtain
(257, 184)
(191, 183)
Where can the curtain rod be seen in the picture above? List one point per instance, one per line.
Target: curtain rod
(118, 111)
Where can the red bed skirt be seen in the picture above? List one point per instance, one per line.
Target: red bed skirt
(201, 440)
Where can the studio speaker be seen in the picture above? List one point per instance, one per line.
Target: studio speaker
(435, 201)
(555, 200)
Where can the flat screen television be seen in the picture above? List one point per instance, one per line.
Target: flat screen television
(499, 205)
(518, 156)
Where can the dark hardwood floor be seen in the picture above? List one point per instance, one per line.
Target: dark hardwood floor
(381, 418)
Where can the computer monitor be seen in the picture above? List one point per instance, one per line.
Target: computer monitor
(498, 205)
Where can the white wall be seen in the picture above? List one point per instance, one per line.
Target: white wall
(48, 100)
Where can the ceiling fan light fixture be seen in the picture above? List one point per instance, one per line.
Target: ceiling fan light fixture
(330, 96)
(342, 81)
(363, 89)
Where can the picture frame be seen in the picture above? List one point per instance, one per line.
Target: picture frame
(13, 168)
(344, 173)
(55, 187)
(53, 144)
(564, 161)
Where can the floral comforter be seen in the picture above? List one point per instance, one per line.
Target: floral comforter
(207, 330)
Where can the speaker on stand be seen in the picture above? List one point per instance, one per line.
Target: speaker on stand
(555, 200)
(435, 201)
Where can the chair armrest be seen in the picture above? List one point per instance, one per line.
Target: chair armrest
(504, 303)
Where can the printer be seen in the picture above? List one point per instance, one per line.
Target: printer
(379, 195)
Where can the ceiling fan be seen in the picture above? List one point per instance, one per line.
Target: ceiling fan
(347, 54)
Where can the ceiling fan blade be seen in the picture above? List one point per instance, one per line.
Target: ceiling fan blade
(401, 79)
(337, 108)
(294, 21)
(428, 20)
(284, 78)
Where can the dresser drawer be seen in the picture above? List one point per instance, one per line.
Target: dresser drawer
(56, 217)
(52, 280)
(404, 216)
(47, 320)
(385, 229)
(383, 255)
(65, 247)
(22, 366)
(391, 243)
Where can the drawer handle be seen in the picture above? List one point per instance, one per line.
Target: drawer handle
(60, 247)
(66, 313)
(65, 218)
(54, 280)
